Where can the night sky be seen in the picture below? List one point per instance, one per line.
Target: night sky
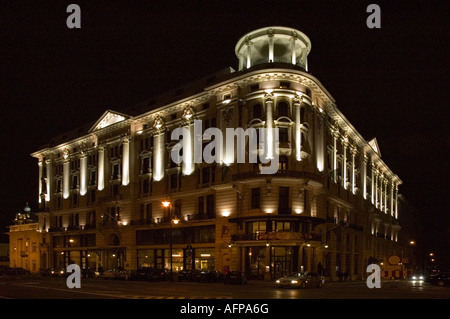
(391, 83)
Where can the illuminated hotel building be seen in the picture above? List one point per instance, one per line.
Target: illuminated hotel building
(331, 206)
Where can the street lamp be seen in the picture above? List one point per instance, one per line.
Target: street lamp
(167, 204)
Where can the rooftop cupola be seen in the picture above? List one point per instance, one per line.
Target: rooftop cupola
(273, 44)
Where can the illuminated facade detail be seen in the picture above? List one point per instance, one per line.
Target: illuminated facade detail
(298, 132)
(158, 156)
(83, 175)
(109, 118)
(101, 168)
(331, 199)
(274, 45)
(40, 187)
(270, 139)
(66, 178)
(125, 162)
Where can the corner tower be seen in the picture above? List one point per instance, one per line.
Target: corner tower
(273, 44)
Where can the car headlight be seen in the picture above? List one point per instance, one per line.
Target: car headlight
(277, 281)
(414, 277)
(294, 281)
(420, 277)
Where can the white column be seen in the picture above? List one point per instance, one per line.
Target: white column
(298, 132)
(396, 201)
(125, 162)
(271, 48)
(241, 61)
(249, 54)
(293, 54)
(188, 151)
(344, 162)
(364, 175)
(319, 145)
(83, 175)
(48, 164)
(269, 125)
(101, 168)
(380, 181)
(385, 196)
(158, 156)
(66, 178)
(40, 181)
(335, 136)
(373, 184)
(353, 152)
(306, 59)
(392, 199)
(376, 190)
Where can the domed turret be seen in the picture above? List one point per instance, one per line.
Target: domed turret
(273, 44)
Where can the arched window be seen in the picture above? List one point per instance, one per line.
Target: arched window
(282, 109)
(257, 111)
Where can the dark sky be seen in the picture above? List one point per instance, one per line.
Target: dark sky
(391, 83)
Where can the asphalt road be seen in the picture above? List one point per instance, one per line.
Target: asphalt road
(56, 288)
(216, 300)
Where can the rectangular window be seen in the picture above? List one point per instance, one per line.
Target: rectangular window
(283, 135)
(145, 165)
(256, 198)
(93, 177)
(146, 186)
(177, 207)
(210, 206)
(75, 181)
(115, 190)
(92, 197)
(115, 171)
(201, 206)
(206, 175)
(283, 200)
(174, 181)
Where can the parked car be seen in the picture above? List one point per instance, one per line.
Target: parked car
(184, 275)
(235, 277)
(6, 270)
(108, 274)
(159, 274)
(123, 274)
(301, 280)
(440, 279)
(143, 273)
(206, 275)
(87, 273)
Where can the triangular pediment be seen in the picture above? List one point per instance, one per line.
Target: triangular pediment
(108, 118)
(374, 145)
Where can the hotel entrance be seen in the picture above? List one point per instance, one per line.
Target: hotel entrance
(284, 260)
(280, 261)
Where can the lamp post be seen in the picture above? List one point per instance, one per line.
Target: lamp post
(167, 204)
